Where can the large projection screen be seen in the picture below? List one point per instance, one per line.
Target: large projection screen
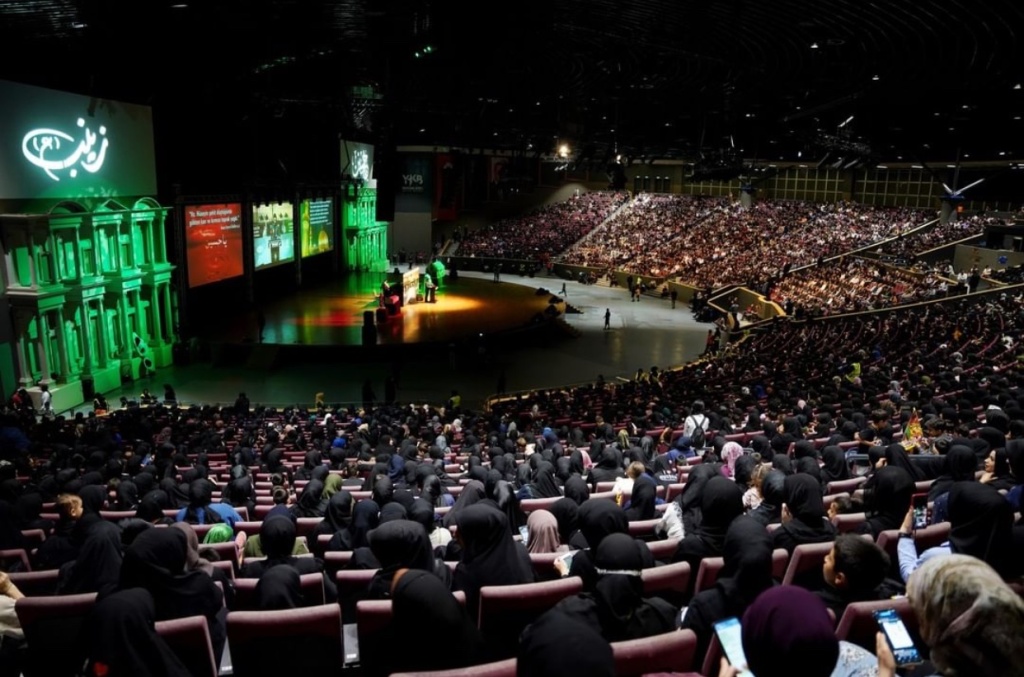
(60, 145)
(316, 226)
(273, 234)
(213, 238)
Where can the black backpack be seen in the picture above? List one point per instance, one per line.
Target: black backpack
(697, 440)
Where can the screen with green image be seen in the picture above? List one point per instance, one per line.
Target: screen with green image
(316, 226)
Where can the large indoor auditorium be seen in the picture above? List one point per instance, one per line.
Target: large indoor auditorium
(598, 338)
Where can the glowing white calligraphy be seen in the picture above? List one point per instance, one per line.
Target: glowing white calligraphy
(361, 164)
(42, 147)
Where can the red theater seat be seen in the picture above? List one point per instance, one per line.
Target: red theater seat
(189, 639)
(669, 652)
(288, 642)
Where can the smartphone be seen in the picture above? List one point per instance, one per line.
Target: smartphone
(524, 533)
(730, 636)
(899, 639)
(920, 505)
(567, 558)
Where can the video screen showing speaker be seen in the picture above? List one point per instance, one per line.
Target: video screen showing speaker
(273, 234)
(316, 226)
(213, 242)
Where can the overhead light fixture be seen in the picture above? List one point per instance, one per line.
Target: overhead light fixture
(875, 77)
(814, 45)
(1017, 86)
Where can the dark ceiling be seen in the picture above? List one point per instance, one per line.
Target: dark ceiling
(923, 79)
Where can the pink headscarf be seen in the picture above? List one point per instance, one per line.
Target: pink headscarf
(730, 452)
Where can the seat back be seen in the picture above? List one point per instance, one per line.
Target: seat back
(931, 536)
(312, 586)
(528, 505)
(303, 641)
(544, 565)
(670, 582)
(713, 657)
(373, 616)
(643, 529)
(858, 624)
(780, 562)
(669, 652)
(189, 639)
(707, 573)
(15, 559)
(845, 486)
(336, 560)
(227, 552)
(850, 522)
(807, 557)
(505, 668)
(352, 585)
(53, 629)
(36, 583)
(663, 550)
(506, 609)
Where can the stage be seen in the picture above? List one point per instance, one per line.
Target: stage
(312, 343)
(332, 315)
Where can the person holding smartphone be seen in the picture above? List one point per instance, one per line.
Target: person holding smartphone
(786, 632)
(971, 621)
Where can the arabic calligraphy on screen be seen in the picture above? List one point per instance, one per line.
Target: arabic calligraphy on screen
(213, 240)
(62, 145)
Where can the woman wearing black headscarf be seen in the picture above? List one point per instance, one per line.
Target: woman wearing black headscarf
(151, 508)
(98, 565)
(94, 499)
(425, 615)
(279, 588)
(773, 495)
(691, 497)
(803, 520)
(809, 466)
(127, 495)
(29, 509)
(577, 490)
(489, 555)
(337, 518)
(277, 540)
(896, 455)
(472, 492)
(960, 466)
(761, 445)
(544, 485)
(835, 469)
(402, 545)
(789, 434)
(641, 502)
(383, 491)
(617, 608)
(308, 504)
(598, 519)
(123, 641)
(311, 461)
(177, 494)
(156, 561)
(747, 572)
(981, 525)
(721, 503)
(566, 513)
(887, 496)
(365, 516)
(434, 492)
(783, 464)
(608, 468)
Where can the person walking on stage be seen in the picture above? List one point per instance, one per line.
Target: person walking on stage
(607, 318)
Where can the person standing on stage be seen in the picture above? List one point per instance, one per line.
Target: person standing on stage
(607, 318)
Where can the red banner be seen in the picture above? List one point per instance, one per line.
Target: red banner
(447, 197)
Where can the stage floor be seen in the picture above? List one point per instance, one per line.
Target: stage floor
(642, 334)
(333, 314)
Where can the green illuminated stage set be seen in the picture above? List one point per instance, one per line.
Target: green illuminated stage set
(90, 299)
